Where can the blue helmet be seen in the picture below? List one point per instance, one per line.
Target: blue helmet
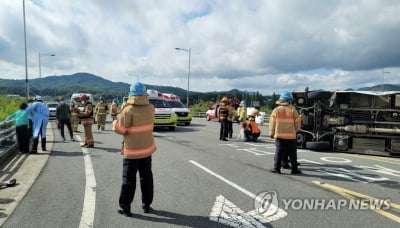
(286, 96)
(137, 89)
(243, 102)
(115, 100)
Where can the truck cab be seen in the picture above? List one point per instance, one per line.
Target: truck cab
(164, 116)
(183, 113)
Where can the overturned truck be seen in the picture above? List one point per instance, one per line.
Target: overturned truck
(353, 121)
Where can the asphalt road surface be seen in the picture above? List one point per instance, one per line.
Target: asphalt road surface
(201, 182)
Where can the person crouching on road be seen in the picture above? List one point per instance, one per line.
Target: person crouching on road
(87, 121)
(284, 123)
(21, 127)
(135, 123)
(40, 118)
(252, 131)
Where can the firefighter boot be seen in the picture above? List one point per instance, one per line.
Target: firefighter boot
(34, 146)
(43, 144)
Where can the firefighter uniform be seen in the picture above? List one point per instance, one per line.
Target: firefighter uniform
(223, 112)
(253, 131)
(135, 123)
(74, 117)
(86, 117)
(101, 114)
(284, 123)
(114, 109)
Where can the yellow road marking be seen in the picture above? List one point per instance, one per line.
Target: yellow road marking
(387, 160)
(355, 196)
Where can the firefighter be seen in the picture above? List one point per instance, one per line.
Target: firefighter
(252, 131)
(242, 111)
(40, 118)
(223, 112)
(135, 123)
(284, 123)
(86, 117)
(114, 109)
(101, 114)
(74, 116)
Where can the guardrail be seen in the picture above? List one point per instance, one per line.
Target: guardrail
(7, 138)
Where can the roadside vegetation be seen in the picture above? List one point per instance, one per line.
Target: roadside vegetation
(9, 104)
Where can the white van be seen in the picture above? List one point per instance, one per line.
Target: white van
(182, 112)
(77, 98)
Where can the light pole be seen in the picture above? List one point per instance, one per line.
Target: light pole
(26, 56)
(137, 76)
(187, 92)
(383, 77)
(40, 65)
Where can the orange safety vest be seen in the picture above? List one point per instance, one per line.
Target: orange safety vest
(254, 127)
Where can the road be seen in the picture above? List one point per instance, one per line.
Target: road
(202, 182)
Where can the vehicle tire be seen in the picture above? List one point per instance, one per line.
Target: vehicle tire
(208, 118)
(324, 145)
(187, 123)
(172, 128)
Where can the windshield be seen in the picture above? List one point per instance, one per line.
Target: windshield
(53, 105)
(176, 104)
(159, 103)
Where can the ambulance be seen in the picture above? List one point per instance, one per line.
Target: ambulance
(182, 112)
(164, 116)
(77, 98)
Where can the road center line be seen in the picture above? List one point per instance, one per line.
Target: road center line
(89, 201)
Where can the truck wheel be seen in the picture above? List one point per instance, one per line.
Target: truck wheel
(324, 145)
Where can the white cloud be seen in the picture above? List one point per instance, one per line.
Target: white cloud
(251, 45)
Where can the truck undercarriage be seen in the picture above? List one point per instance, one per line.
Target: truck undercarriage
(353, 121)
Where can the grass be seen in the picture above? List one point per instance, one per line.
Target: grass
(9, 105)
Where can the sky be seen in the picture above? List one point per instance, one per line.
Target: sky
(268, 46)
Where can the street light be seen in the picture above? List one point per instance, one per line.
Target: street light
(383, 77)
(137, 76)
(40, 65)
(187, 92)
(26, 56)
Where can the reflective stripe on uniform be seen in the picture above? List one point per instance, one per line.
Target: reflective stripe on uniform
(138, 152)
(285, 135)
(279, 120)
(141, 128)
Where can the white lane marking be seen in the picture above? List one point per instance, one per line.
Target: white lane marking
(336, 159)
(89, 201)
(223, 179)
(281, 213)
(226, 212)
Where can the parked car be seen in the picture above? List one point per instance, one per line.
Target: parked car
(210, 114)
(52, 106)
